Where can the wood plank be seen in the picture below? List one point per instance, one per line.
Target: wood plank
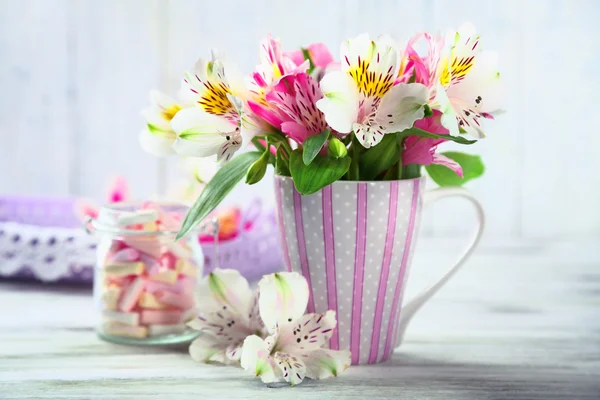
(560, 142)
(117, 61)
(517, 323)
(499, 189)
(36, 102)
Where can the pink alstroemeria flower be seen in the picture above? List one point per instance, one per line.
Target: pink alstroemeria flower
(274, 65)
(422, 68)
(419, 150)
(295, 97)
(319, 54)
(118, 191)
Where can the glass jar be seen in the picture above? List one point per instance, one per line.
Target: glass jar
(144, 280)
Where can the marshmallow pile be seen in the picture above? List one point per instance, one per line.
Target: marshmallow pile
(146, 281)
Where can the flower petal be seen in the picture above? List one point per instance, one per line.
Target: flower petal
(449, 117)
(234, 352)
(447, 162)
(118, 190)
(161, 111)
(325, 363)
(255, 322)
(371, 64)
(296, 131)
(309, 332)
(340, 102)
(320, 55)
(201, 134)
(292, 367)
(227, 327)
(257, 361)
(227, 287)
(158, 143)
(283, 298)
(368, 135)
(85, 208)
(206, 348)
(402, 106)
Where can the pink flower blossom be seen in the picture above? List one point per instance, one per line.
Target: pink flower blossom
(274, 66)
(419, 150)
(319, 54)
(295, 97)
(421, 68)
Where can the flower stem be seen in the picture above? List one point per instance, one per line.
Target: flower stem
(411, 171)
(354, 173)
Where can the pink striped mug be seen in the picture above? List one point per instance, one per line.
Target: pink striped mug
(353, 242)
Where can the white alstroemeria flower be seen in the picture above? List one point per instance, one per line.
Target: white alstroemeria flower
(158, 137)
(362, 96)
(195, 172)
(228, 313)
(293, 349)
(471, 81)
(217, 123)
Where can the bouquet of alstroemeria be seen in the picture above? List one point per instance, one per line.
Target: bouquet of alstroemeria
(377, 114)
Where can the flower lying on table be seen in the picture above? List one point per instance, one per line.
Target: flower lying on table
(233, 320)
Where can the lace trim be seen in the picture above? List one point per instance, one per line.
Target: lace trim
(47, 253)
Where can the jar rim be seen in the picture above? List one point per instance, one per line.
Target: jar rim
(111, 211)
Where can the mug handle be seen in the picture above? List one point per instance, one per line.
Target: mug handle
(411, 307)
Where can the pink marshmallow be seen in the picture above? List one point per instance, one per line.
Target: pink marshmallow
(183, 285)
(152, 264)
(132, 294)
(116, 245)
(156, 317)
(149, 246)
(181, 301)
(125, 255)
(168, 260)
(157, 286)
(187, 284)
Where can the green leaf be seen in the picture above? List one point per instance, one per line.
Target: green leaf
(425, 134)
(282, 162)
(306, 55)
(258, 169)
(428, 111)
(379, 158)
(320, 173)
(472, 167)
(336, 148)
(313, 145)
(256, 142)
(217, 188)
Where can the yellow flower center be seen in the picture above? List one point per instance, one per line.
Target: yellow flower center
(457, 70)
(214, 99)
(370, 83)
(169, 113)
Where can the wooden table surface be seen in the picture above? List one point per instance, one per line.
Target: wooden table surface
(520, 322)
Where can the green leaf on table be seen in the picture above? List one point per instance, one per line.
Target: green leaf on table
(425, 134)
(229, 175)
(320, 173)
(282, 162)
(313, 145)
(379, 158)
(336, 148)
(472, 167)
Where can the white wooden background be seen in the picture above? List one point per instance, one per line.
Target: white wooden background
(75, 73)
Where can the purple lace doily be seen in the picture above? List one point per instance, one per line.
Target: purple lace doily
(42, 239)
